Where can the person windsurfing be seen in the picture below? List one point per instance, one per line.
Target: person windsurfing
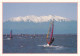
(51, 41)
(51, 34)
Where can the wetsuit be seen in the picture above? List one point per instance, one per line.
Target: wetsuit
(51, 41)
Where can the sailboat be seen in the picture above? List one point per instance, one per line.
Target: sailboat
(50, 38)
(10, 34)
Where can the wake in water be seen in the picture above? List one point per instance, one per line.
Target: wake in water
(52, 46)
(7, 39)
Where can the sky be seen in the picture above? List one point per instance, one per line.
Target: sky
(67, 10)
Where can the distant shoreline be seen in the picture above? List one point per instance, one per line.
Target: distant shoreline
(36, 34)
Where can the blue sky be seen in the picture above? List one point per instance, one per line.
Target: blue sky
(68, 10)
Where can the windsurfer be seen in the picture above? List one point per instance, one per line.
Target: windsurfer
(50, 38)
(51, 41)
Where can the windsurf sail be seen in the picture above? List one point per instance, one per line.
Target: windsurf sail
(10, 34)
(50, 38)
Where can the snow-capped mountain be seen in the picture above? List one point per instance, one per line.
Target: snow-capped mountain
(38, 19)
(39, 25)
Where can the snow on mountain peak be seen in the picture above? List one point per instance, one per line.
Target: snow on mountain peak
(38, 19)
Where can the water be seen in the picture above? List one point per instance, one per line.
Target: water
(28, 44)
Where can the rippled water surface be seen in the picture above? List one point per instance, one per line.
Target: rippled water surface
(28, 44)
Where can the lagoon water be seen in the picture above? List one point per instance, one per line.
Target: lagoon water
(28, 44)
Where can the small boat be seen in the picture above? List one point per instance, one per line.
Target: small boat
(10, 34)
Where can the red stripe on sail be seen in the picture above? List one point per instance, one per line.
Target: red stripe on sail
(51, 33)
